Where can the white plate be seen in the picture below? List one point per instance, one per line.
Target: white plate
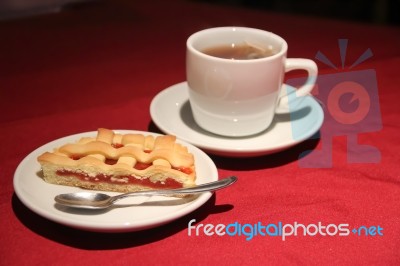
(38, 196)
(171, 112)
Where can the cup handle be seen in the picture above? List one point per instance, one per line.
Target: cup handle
(312, 70)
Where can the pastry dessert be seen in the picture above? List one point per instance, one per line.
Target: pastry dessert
(122, 163)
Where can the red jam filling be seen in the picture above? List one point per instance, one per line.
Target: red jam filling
(110, 161)
(169, 183)
(75, 157)
(185, 170)
(117, 145)
(141, 166)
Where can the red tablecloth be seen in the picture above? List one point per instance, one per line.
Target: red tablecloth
(100, 64)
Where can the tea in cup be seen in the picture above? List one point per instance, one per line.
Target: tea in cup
(235, 76)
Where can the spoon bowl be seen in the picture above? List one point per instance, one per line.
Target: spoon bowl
(94, 200)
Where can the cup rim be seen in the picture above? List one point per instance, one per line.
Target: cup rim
(190, 40)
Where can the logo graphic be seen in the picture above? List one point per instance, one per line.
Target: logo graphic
(282, 230)
(351, 107)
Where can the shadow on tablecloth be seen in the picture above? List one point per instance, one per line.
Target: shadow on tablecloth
(109, 241)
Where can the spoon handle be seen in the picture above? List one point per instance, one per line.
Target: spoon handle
(212, 186)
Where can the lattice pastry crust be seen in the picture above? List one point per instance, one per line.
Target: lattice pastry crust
(123, 163)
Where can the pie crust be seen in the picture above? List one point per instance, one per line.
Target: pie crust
(122, 163)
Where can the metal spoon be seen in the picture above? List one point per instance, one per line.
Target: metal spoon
(93, 200)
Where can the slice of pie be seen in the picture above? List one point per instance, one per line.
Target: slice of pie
(122, 163)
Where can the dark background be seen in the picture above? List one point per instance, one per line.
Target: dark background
(368, 11)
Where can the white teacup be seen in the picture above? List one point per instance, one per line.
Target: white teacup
(239, 97)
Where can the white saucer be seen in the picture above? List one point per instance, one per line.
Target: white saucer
(38, 196)
(171, 112)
